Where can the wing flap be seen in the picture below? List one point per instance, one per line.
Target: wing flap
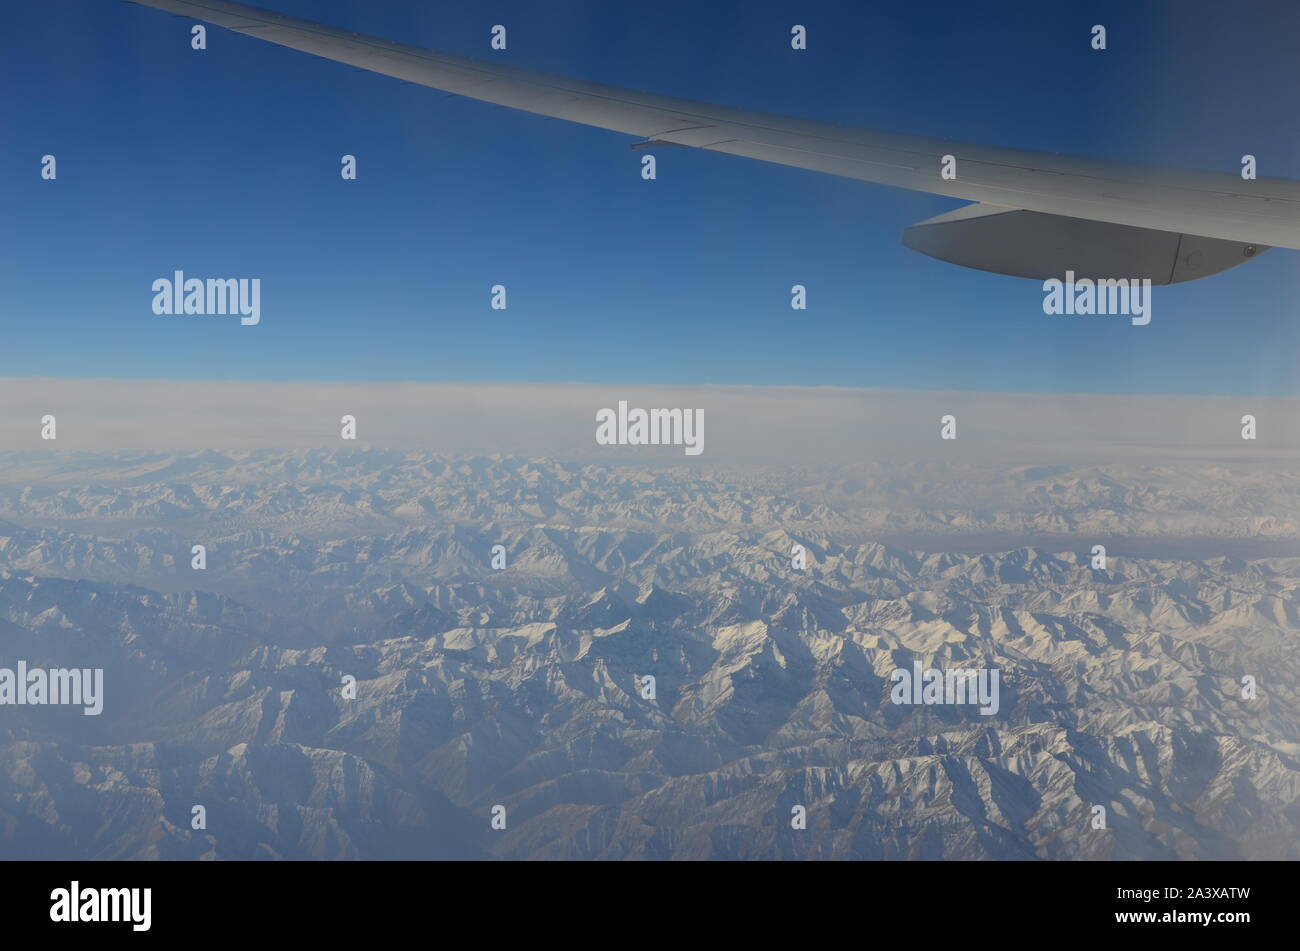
(1031, 244)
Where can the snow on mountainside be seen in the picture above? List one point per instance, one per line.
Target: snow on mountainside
(1120, 687)
(345, 491)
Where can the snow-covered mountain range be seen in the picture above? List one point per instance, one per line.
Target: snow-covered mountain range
(523, 686)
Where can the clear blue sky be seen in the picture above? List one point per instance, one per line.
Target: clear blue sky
(225, 163)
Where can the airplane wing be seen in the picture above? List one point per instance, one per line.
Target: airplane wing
(1038, 214)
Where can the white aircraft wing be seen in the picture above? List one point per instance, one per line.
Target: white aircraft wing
(1039, 214)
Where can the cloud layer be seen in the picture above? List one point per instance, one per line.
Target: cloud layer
(742, 424)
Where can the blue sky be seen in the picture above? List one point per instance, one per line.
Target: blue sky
(225, 163)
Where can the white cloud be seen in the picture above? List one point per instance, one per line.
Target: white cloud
(743, 424)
